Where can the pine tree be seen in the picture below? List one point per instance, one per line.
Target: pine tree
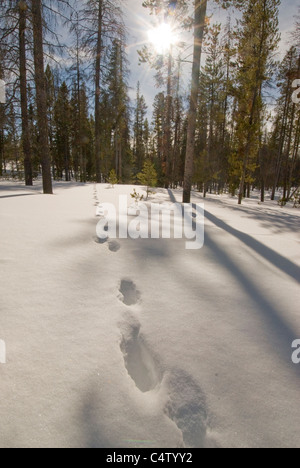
(158, 130)
(200, 7)
(2, 116)
(51, 98)
(148, 177)
(103, 24)
(285, 138)
(212, 84)
(119, 103)
(81, 135)
(112, 179)
(23, 92)
(62, 120)
(139, 147)
(258, 39)
(41, 94)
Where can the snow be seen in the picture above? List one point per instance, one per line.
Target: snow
(142, 343)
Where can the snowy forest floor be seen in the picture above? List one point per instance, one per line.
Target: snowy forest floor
(141, 343)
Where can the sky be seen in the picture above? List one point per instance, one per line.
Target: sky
(139, 21)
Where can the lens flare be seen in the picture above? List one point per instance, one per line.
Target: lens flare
(162, 38)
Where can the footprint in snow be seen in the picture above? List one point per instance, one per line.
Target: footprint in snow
(114, 246)
(187, 408)
(138, 360)
(129, 292)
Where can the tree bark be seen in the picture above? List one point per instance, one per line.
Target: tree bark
(290, 136)
(262, 193)
(23, 93)
(281, 145)
(97, 95)
(168, 131)
(41, 95)
(293, 162)
(200, 15)
(2, 121)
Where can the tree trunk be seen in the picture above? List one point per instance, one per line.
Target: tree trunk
(23, 93)
(200, 15)
(248, 148)
(287, 156)
(262, 195)
(290, 137)
(168, 131)
(97, 95)
(41, 95)
(248, 190)
(295, 155)
(281, 144)
(2, 121)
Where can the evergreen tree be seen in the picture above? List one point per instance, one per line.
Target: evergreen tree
(200, 8)
(140, 145)
(2, 115)
(258, 39)
(41, 94)
(212, 87)
(112, 179)
(81, 135)
(51, 98)
(158, 130)
(118, 106)
(23, 7)
(62, 125)
(148, 177)
(103, 24)
(285, 138)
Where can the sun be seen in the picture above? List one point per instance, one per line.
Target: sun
(162, 38)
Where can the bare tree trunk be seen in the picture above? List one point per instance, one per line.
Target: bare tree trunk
(200, 15)
(41, 95)
(23, 92)
(2, 121)
(97, 95)
(168, 135)
(82, 161)
(262, 193)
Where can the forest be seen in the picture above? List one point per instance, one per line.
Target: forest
(68, 114)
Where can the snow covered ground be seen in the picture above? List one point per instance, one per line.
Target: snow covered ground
(141, 343)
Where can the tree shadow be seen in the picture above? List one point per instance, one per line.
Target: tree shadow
(17, 196)
(281, 331)
(90, 417)
(269, 217)
(277, 260)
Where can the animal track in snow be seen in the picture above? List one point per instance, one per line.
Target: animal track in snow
(100, 241)
(138, 360)
(114, 246)
(129, 292)
(187, 408)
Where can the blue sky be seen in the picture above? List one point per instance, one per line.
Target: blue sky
(139, 22)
